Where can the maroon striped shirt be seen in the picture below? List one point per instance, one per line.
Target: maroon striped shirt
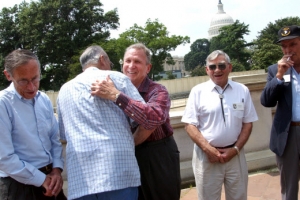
(153, 114)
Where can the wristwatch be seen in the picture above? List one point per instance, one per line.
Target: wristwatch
(237, 150)
(117, 96)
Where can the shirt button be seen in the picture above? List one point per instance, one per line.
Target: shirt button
(132, 114)
(120, 104)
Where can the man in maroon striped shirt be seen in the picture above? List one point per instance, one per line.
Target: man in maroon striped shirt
(156, 150)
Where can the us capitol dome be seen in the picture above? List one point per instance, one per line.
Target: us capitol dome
(219, 20)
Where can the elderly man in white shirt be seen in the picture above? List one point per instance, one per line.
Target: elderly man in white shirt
(218, 116)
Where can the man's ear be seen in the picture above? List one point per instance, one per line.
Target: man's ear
(230, 67)
(101, 62)
(149, 66)
(7, 75)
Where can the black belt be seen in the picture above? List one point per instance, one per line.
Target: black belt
(151, 143)
(229, 146)
(47, 169)
(295, 124)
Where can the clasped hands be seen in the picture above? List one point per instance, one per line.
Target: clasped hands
(53, 183)
(216, 155)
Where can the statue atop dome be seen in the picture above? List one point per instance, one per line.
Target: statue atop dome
(220, 7)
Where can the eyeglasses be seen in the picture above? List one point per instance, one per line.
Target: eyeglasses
(214, 67)
(34, 81)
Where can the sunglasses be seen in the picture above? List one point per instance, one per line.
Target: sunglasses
(214, 67)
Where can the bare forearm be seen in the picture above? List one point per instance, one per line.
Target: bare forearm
(197, 136)
(141, 134)
(212, 153)
(244, 135)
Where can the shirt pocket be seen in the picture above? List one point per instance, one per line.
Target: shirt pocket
(238, 113)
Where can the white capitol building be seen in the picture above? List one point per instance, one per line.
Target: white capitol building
(219, 20)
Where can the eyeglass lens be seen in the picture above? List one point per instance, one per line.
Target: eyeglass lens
(26, 82)
(214, 67)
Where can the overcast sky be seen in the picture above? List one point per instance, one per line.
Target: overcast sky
(192, 17)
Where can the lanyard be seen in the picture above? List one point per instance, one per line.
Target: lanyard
(221, 99)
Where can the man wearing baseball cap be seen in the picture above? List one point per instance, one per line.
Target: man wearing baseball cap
(283, 89)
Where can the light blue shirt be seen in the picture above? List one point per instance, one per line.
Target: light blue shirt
(100, 153)
(295, 81)
(296, 95)
(29, 137)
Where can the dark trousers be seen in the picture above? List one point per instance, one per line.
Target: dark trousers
(160, 170)
(10, 189)
(288, 165)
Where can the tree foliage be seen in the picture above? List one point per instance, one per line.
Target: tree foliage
(199, 71)
(231, 40)
(156, 37)
(197, 55)
(266, 51)
(57, 30)
(170, 75)
(9, 36)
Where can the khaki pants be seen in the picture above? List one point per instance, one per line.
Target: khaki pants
(211, 176)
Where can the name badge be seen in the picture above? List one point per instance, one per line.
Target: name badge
(287, 78)
(238, 106)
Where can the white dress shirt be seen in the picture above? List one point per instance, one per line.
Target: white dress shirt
(204, 110)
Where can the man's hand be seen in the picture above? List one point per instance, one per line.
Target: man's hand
(46, 183)
(227, 154)
(283, 65)
(104, 89)
(213, 154)
(56, 183)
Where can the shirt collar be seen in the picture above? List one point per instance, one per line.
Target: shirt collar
(91, 68)
(144, 85)
(212, 85)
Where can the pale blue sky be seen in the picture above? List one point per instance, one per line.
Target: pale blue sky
(192, 17)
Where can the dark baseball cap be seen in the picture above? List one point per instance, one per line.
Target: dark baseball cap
(288, 32)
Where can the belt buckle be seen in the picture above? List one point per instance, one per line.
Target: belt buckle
(48, 168)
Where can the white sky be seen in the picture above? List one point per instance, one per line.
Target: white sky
(192, 17)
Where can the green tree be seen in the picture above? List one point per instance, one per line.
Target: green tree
(231, 40)
(58, 30)
(170, 75)
(237, 66)
(9, 36)
(115, 48)
(266, 51)
(199, 71)
(271, 30)
(197, 55)
(156, 37)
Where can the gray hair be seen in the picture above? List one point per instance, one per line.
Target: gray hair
(213, 55)
(140, 46)
(18, 58)
(91, 55)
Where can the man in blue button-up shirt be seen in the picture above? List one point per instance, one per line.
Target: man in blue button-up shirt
(30, 151)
